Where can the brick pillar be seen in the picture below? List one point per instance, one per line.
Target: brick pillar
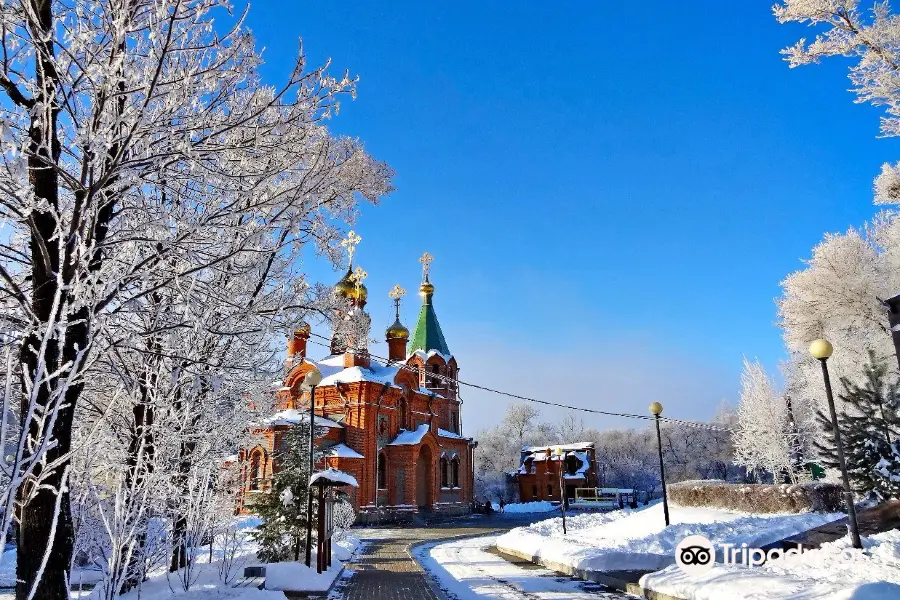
(296, 346)
(397, 348)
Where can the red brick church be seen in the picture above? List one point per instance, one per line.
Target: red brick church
(393, 425)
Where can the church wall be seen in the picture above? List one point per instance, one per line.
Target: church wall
(356, 406)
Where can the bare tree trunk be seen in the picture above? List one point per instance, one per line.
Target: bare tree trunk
(40, 525)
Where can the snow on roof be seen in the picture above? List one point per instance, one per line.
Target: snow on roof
(343, 451)
(333, 371)
(450, 434)
(574, 446)
(542, 457)
(292, 416)
(426, 355)
(334, 476)
(408, 438)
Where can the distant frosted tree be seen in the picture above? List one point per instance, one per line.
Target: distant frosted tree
(499, 448)
(764, 438)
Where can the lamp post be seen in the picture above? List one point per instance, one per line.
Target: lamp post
(562, 491)
(893, 309)
(821, 351)
(656, 409)
(310, 381)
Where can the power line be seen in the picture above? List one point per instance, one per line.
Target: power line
(446, 378)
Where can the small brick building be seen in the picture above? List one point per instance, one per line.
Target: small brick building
(538, 472)
(395, 427)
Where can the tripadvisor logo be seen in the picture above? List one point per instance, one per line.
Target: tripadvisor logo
(696, 555)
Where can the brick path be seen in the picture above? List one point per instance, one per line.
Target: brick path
(384, 569)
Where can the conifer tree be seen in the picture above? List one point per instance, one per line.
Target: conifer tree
(282, 533)
(869, 426)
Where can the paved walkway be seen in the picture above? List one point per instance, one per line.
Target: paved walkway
(383, 570)
(884, 517)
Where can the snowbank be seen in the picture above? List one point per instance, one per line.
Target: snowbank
(833, 572)
(638, 539)
(527, 507)
(297, 576)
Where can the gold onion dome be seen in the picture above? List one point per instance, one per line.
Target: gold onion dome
(397, 331)
(347, 288)
(303, 329)
(426, 289)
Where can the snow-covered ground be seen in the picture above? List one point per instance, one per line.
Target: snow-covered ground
(466, 571)
(638, 540)
(527, 507)
(833, 572)
(206, 579)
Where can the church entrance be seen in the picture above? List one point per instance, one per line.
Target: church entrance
(424, 478)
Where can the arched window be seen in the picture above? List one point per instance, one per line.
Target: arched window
(445, 475)
(382, 472)
(549, 490)
(255, 469)
(454, 472)
(572, 464)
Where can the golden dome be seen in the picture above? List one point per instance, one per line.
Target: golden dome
(397, 330)
(426, 289)
(346, 288)
(303, 330)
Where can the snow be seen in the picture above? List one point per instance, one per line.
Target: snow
(465, 570)
(449, 434)
(375, 373)
(335, 476)
(426, 355)
(573, 446)
(343, 451)
(637, 539)
(833, 572)
(406, 438)
(528, 507)
(297, 576)
(292, 416)
(80, 575)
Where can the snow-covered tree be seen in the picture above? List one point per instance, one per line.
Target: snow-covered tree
(140, 145)
(283, 507)
(837, 296)
(766, 434)
(870, 425)
(869, 33)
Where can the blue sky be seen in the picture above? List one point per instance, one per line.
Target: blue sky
(612, 194)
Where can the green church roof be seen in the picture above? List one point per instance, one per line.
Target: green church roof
(428, 335)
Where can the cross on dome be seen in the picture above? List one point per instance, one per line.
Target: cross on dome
(426, 265)
(397, 293)
(358, 276)
(350, 243)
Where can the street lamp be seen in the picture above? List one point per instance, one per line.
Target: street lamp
(310, 381)
(893, 309)
(821, 351)
(562, 492)
(656, 409)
